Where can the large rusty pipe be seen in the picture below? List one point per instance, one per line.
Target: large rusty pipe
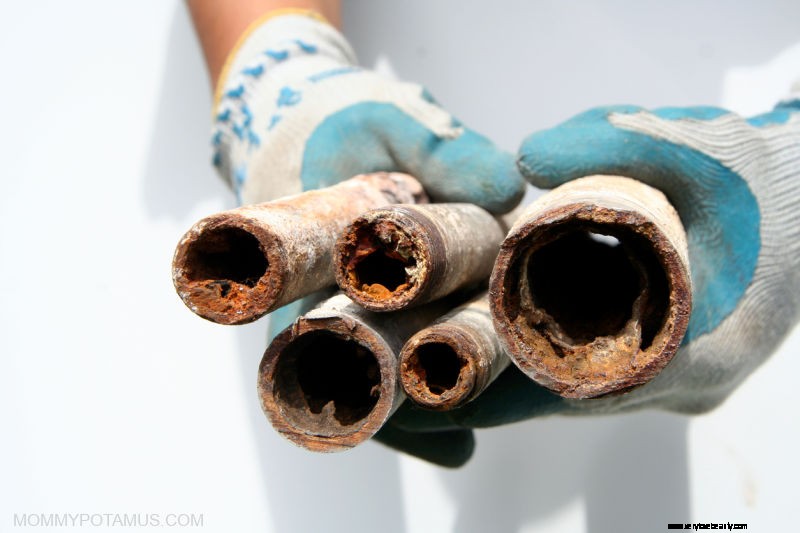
(452, 361)
(591, 292)
(404, 255)
(329, 381)
(236, 266)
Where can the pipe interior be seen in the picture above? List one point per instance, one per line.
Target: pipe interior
(226, 254)
(438, 366)
(588, 278)
(322, 379)
(380, 259)
(383, 268)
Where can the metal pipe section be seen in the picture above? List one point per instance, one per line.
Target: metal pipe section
(329, 381)
(405, 255)
(234, 267)
(452, 361)
(591, 291)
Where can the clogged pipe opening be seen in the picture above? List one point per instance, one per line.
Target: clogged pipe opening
(226, 254)
(379, 259)
(381, 268)
(587, 279)
(437, 366)
(326, 384)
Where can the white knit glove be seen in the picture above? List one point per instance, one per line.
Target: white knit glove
(296, 113)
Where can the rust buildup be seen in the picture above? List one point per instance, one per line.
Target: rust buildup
(591, 293)
(383, 261)
(405, 255)
(236, 266)
(452, 361)
(329, 381)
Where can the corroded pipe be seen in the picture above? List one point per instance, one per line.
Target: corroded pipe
(453, 360)
(591, 292)
(405, 255)
(236, 266)
(329, 381)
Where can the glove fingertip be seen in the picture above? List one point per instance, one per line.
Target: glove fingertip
(552, 157)
(504, 191)
(531, 166)
(575, 148)
(472, 169)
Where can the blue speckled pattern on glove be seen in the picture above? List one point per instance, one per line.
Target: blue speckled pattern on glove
(296, 113)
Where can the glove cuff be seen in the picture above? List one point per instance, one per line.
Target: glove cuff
(275, 55)
(275, 37)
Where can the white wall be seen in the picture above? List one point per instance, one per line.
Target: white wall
(114, 398)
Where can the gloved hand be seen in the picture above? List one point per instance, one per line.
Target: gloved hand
(736, 185)
(294, 112)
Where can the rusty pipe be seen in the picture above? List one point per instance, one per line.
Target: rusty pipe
(591, 291)
(452, 361)
(234, 267)
(405, 255)
(329, 381)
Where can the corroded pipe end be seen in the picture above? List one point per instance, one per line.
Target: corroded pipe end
(440, 367)
(229, 269)
(328, 383)
(236, 266)
(388, 259)
(591, 292)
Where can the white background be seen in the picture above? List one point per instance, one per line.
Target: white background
(114, 398)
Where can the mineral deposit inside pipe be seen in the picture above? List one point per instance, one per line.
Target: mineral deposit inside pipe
(591, 292)
(453, 360)
(401, 256)
(236, 266)
(329, 381)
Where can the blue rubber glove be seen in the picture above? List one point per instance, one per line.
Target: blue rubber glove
(736, 186)
(294, 112)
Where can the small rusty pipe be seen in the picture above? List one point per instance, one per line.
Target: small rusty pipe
(404, 255)
(234, 267)
(452, 361)
(591, 292)
(329, 381)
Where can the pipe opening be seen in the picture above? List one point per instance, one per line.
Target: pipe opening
(382, 269)
(325, 383)
(379, 259)
(438, 366)
(226, 254)
(588, 281)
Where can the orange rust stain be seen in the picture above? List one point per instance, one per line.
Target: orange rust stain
(379, 292)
